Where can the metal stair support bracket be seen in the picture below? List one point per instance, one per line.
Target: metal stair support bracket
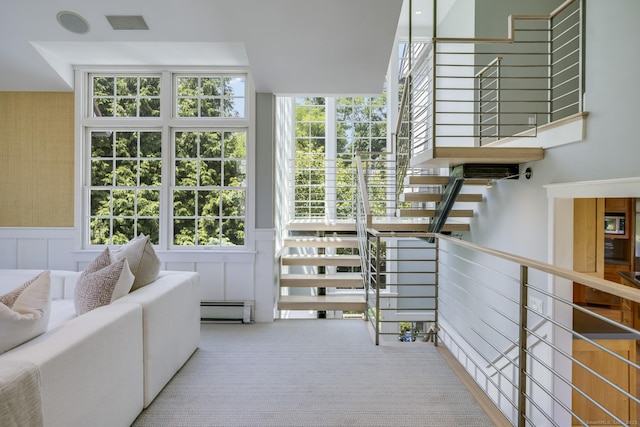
(443, 208)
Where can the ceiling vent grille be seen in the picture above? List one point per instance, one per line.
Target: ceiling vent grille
(127, 22)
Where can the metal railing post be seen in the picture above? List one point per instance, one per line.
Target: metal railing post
(522, 354)
(377, 290)
(436, 282)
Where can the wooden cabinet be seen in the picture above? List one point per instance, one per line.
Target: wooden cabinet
(588, 241)
(611, 271)
(615, 371)
(617, 205)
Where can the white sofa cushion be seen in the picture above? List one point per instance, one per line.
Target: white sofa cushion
(102, 282)
(28, 313)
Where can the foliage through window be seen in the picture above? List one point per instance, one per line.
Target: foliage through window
(360, 126)
(198, 197)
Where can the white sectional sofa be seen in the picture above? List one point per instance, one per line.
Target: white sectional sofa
(103, 367)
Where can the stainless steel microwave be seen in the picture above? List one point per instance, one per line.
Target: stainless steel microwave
(614, 224)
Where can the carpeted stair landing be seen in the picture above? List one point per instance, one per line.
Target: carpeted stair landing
(311, 373)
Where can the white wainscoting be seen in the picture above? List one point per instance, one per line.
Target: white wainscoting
(225, 276)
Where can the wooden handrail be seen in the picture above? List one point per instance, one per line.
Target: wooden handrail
(582, 278)
(603, 285)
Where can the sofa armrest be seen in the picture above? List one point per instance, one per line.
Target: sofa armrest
(171, 326)
(90, 369)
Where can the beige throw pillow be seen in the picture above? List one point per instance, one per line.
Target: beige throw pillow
(143, 261)
(101, 283)
(27, 315)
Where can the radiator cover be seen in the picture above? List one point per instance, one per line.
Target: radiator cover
(225, 311)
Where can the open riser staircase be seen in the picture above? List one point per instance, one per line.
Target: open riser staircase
(320, 270)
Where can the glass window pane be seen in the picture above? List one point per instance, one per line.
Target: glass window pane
(148, 203)
(101, 145)
(100, 203)
(123, 202)
(186, 144)
(105, 107)
(149, 227)
(234, 86)
(211, 86)
(211, 172)
(126, 86)
(187, 107)
(149, 86)
(186, 173)
(151, 172)
(127, 107)
(103, 86)
(100, 231)
(184, 232)
(127, 144)
(233, 202)
(208, 232)
(150, 107)
(123, 230)
(232, 232)
(150, 144)
(210, 145)
(210, 107)
(101, 172)
(187, 86)
(235, 145)
(235, 173)
(184, 203)
(208, 203)
(126, 173)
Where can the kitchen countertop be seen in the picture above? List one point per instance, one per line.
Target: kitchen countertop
(597, 329)
(631, 277)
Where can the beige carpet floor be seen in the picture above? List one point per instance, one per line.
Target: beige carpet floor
(311, 373)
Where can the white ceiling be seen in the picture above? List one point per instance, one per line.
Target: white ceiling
(291, 46)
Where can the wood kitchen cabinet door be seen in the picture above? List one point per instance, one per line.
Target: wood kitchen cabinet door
(615, 371)
(588, 241)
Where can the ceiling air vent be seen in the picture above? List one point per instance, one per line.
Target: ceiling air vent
(127, 22)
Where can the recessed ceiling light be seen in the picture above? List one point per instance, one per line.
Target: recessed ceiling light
(73, 22)
(127, 22)
(418, 12)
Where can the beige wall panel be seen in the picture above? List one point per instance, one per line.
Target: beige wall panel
(36, 159)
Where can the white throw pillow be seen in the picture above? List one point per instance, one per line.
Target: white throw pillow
(143, 261)
(28, 315)
(101, 283)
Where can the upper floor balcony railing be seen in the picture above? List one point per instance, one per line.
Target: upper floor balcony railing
(470, 92)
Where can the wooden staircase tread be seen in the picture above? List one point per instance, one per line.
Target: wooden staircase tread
(322, 302)
(435, 197)
(416, 227)
(430, 213)
(453, 156)
(439, 180)
(321, 224)
(338, 280)
(322, 259)
(322, 242)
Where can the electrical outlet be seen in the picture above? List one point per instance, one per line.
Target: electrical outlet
(535, 304)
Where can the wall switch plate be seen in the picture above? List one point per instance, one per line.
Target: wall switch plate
(535, 304)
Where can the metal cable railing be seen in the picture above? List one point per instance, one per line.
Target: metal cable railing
(512, 324)
(541, 358)
(473, 91)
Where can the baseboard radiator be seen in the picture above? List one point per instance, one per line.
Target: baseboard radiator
(225, 311)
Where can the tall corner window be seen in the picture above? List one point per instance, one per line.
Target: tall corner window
(182, 180)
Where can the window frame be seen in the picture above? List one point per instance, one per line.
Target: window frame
(167, 122)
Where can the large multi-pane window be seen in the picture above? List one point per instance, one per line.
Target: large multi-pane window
(325, 172)
(309, 199)
(179, 174)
